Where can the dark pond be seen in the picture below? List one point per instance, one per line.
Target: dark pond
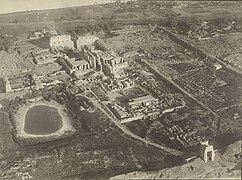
(42, 120)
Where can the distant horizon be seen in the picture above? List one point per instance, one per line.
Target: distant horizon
(15, 6)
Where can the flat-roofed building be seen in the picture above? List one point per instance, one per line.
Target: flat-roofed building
(78, 64)
(120, 112)
(142, 101)
(75, 66)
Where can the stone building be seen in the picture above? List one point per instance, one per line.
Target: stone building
(96, 57)
(111, 62)
(93, 59)
(7, 85)
(142, 101)
(206, 151)
(75, 66)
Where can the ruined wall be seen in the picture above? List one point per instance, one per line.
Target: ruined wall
(61, 41)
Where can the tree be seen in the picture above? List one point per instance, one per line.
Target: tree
(112, 17)
(83, 31)
(74, 36)
(183, 27)
(171, 20)
(106, 29)
(15, 21)
(6, 42)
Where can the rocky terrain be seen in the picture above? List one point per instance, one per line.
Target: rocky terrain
(227, 164)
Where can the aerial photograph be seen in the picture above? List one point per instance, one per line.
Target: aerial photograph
(120, 89)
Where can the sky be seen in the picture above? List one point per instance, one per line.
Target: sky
(8, 6)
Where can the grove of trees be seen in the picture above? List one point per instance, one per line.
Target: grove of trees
(6, 42)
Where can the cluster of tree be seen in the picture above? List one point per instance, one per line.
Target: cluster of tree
(13, 108)
(226, 21)
(59, 93)
(14, 21)
(105, 27)
(19, 101)
(6, 42)
(63, 94)
(141, 5)
(183, 26)
(84, 121)
(86, 29)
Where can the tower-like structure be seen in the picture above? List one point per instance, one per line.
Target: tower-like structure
(206, 151)
(7, 85)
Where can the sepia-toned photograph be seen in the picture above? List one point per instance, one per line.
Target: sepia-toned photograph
(120, 89)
